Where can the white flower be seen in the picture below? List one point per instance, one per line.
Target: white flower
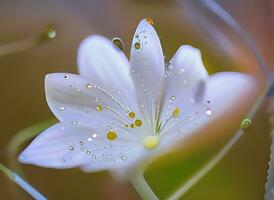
(116, 114)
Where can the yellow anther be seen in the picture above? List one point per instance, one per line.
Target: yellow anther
(111, 135)
(138, 123)
(176, 112)
(99, 108)
(131, 114)
(151, 142)
(131, 125)
(150, 21)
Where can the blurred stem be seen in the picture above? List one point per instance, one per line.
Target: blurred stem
(22, 183)
(237, 28)
(215, 160)
(142, 187)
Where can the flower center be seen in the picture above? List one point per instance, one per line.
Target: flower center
(151, 142)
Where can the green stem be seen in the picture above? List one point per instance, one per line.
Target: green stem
(142, 187)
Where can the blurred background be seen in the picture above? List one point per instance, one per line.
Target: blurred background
(26, 55)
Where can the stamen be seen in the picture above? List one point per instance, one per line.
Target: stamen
(176, 112)
(111, 135)
(112, 97)
(138, 123)
(150, 21)
(131, 114)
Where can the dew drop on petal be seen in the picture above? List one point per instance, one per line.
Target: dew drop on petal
(93, 156)
(63, 160)
(246, 124)
(124, 158)
(62, 108)
(71, 148)
(88, 152)
(49, 76)
(81, 143)
(208, 112)
(89, 86)
(94, 135)
(82, 149)
(89, 139)
(74, 122)
(172, 98)
(119, 43)
(66, 77)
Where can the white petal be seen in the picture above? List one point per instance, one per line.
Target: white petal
(185, 72)
(101, 62)
(221, 93)
(66, 146)
(77, 101)
(147, 68)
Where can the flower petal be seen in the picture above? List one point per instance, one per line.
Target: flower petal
(77, 101)
(101, 62)
(185, 72)
(221, 93)
(147, 68)
(66, 146)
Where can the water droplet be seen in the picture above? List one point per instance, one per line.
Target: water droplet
(51, 33)
(62, 108)
(93, 156)
(88, 152)
(137, 45)
(124, 158)
(208, 111)
(71, 148)
(49, 76)
(82, 149)
(172, 98)
(137, 36)
(63, 160)
(74, 122)
(89, 86)
(66, 77)
(89, 139)
(81, 143)
(119, 43)
(94, 135)
(246, 124)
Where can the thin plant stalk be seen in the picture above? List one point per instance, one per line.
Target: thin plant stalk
(22, 183)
